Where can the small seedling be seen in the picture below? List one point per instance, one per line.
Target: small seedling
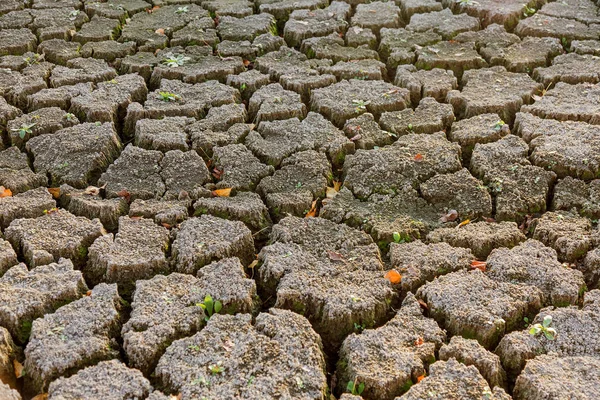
(355, 389)
(210, 306)
(360, 105)
(174, 61)
(73, 15)
(168, 96)
(398, 238)
(243, 87)
(216, 368)
(24, 129)
(70, 117)
(359, 327)
(544, 327)
(182, 10)
(528, 11)
(498, 125)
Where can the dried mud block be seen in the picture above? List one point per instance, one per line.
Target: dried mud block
(57, 97)
(281, 9)
(581, 10)
(280, 344)
(419, 263)
(109, 102)
(202, 240)
(532, 263)
(411, 7)
(429, 117)
(15, 173)
(541, 25)
(9, 352)
(493, 90)
(41, 121)
(108, 50)
(470, 352)
(247, 207)
(434, 83)
(248, 82)
(80, 70)
(569, 234)
(569, 103)
(305, 24)
(302, 177)
(241, 170)
(8, 257)
(137, 251)
(76, 336)
(27, 295)
(98, 29)
(183, 172)
(398, 46)
(570, 193)
(7, 113)
(591, 268)
(273, 141)
(163, 212)
(57, 234)
(481, 237)
(376, 15)
(110, 380)
(197, 68)
(573, 327)
(330, 273)
(483, 128)
(388, 360)
(273, 102)
(384, 216)
(348, 99)
(455, 56)
(458, 191)
(8, 393)
(17, 41)
(76, 155)
(246, 28)
(443, 22)
(59, 51)
(30, 204)
(489, 158)
(413, 158)
(472, 305)
(551, 376)
(85, 204)
(204, 141)
(232, 8)
(366, 133)
(166, 308)
(356, 69)
(585, 47)
(570, 68)
(506, 13)
(452, 380)
(16, 88)
(524, 56)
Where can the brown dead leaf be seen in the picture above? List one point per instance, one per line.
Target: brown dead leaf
(221, 192)
(313, 210)
(18, 369)
(160, 31)
(418, 157)
(356, 137)
(334, 256)
(168, 226)
(136, 218)
(393, 276)
(423, 304)
(217, 173)
(88, 293)
(337, 185)
(489, 219)
(42, 396)
(153, 9)
(55, 192)
(175, 397)
(124, 194)
(246, 63)
(465, 222)
(331, 193)
(480, 265)
(4, 192)
(452, 215)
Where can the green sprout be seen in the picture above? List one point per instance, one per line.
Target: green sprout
(182, 10)
(73, 15)
(210, 307)
(498, 125)
(175, 60)
(355, 389)
(359, 327)
(168, 96)
(544, 327)
(24, 129)
(216, 368)
(70, 117)
(360, 105)
(528, 11)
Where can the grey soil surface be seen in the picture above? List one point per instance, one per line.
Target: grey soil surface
(299, 199)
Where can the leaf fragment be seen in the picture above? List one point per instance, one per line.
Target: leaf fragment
(313, 210)
(221, 192)
(334, 256)
(55, 192)
(393, 276)
(5, 192)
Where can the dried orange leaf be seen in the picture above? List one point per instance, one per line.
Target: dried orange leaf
(125, 194)
(331, 193)
(313, 210)
(88, 293)
(419, 157)
(92, 191)
(335, 256)
(5, 192)
(221, 192)
(253, 264)
(465, 222)
(420, 378)
(55, 192)
(160, 31)
(42, 396)
(168, 226)
(337, 185)
(18, 369)
(393, 276)
(480, 265)
(419, 341)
